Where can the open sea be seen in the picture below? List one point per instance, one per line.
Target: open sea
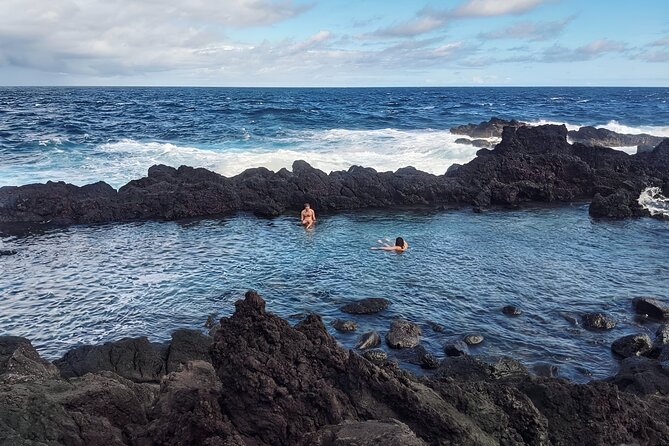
(90, 284)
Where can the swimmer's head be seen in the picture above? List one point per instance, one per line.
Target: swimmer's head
(307, 205)
(399, 241)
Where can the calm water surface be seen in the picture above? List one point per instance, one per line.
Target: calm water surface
(89, 284)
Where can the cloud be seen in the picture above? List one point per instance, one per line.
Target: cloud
(488, 8)
(429, 19)
(532, 31)
(98, 37)
(661, 42)
(590, 51)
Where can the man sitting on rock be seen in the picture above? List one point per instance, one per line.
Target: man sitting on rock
(308, 216)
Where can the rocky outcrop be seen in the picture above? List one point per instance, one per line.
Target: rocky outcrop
(597, 321)
(270, 383)
(491, 129)
(530, 164)
(632, 345)
(592, 136)
(652, 308)
(137, 359)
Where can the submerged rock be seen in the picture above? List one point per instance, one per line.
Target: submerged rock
(366, 306)
(597, 321)
(368, 340)
(403, 334)
(662, 335)
(650, 307)
(7, 252)
(473, 339)
(456, 348)
(632, 345)
(547, 370)
(642, 376)
(418, 355)
(344, 326)
(511, 310)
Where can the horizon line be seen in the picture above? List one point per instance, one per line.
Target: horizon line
(329, 86)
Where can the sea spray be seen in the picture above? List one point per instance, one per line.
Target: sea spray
(651, 198)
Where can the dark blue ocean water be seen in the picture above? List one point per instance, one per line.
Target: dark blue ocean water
(89, 284)
(86, 134)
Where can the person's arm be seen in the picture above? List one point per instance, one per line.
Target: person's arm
(313, 214)
(386, 248)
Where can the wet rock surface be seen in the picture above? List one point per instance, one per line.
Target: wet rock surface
(403, 334)
(368, 340)
(344, 325)
(473, 339)
(632, 345)
(592, 136)
(270, 383)
(530, 164)
(651, 307)
(511, 310)
(366, 306)
(597, 321)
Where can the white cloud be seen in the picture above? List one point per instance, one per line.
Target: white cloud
(532, 31)
(487, 8)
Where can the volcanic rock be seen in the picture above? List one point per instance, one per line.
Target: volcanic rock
(632, 345)
(403, 334)
(511, 310)
(491, 129)
(653, 308)
(365, 433)
(597, 321)
(344, 326)
(369, 340)
(473, 339)
(456, 348)
(366, 306)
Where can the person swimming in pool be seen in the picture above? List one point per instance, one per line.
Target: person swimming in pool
(399, 246)
(308, 216)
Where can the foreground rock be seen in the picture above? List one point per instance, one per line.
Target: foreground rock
(403, 334)
(632, 345)
(530, 164)
(270, 383)
(651, 308)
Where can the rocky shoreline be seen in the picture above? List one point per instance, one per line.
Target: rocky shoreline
(257, 380)
(530, 164)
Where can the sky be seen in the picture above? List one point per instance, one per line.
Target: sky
(334, 42)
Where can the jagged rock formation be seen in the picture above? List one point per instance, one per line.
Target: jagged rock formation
(592, 136)
(269, 383)
(529, 164)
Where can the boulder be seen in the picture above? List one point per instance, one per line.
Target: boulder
(597, 321)
(511, 310)
(132, 358)
(473, 339)
(418, 355)
(456, 348)
(479, 368)
(7, 252)
(642, 376)
(369, 340)
(187, 345)
(365, 433)
(366, 306)
(403, 334)
(632, 345)
(344, 326)
(662, 335)
(653, 308)
(618, 205)
(19, 361)
(546, 370)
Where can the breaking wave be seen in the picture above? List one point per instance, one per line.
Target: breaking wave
(652, 199)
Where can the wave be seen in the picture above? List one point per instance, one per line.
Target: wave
(329, 150)
(652, 199)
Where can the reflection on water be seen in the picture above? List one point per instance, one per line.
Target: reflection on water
(90, 284)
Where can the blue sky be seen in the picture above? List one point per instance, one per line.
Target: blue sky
(334, 42)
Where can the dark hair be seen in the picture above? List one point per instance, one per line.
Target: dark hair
(307, 204)
(399, 241)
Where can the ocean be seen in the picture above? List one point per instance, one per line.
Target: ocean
(89, 284)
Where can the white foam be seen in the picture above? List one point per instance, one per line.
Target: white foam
(336, 149)
(652, 199)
